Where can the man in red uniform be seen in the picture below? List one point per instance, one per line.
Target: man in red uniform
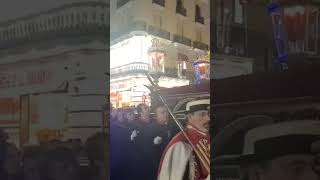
(179, 161)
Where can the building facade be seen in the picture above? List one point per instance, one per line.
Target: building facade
(52, 72)
(182, 30)
(244, 29)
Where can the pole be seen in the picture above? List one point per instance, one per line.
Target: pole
(203, 158)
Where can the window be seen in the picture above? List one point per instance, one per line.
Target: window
(198, 11)
(180, 8)
(182, 65)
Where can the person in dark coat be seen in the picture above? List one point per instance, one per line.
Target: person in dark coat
(134, 153)
(120, 139)
(152, 141)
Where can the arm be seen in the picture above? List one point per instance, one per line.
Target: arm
(175, 162)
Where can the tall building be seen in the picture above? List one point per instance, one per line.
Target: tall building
(243, 28)
(52, 70)
(181, 30)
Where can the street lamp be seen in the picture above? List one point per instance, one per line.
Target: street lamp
(202, 68)
(156, 56)
(156, 60)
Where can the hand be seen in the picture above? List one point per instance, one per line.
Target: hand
(157, 140)
(134, 134)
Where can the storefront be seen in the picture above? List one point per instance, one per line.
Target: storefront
(131, 91)
(31, 96)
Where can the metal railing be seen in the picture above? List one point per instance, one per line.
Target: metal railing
(199, 19)
(159, 32)
(181, 40)
(200, 45)
(136, 67)
(70, 19)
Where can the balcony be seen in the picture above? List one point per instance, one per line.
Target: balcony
(199, 19)
(181, 40)
(136, 67)
(161, 4)
(69, 21)
(200, 45)
(120, 3)
(159, 32)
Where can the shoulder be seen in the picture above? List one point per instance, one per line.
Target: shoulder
(178, 144)
(178, 138)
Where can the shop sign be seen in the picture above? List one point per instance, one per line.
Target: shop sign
(33, 78)
(16, 79)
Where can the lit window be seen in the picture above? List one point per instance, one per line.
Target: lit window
(182, 65)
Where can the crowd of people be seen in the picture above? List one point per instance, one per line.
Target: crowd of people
(55, 160)
(152, 147)
(138, 140)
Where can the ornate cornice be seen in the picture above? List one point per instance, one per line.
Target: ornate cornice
(71, 21)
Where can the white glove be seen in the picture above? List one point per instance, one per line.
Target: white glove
(157, 140)
(134, 134)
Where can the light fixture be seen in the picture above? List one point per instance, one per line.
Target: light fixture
(202, 68)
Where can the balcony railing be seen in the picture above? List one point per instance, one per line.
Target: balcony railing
(181, 10)
(199, 19)
(200, 45)
(159, 2)
(136, 67)
(120, 3)
(181, 40)
(159, 32)
(71, 20)
(138, 26)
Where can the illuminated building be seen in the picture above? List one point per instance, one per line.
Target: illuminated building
(52, 69)
(181, 28)
(243, 36)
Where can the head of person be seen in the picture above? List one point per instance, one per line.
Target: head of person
(113, 112)
(162, 115)
(198, 114)
(282, 151)
(144, 112)
(120, 116)
(129, 115)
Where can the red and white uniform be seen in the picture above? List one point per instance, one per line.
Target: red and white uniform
(179, 161)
